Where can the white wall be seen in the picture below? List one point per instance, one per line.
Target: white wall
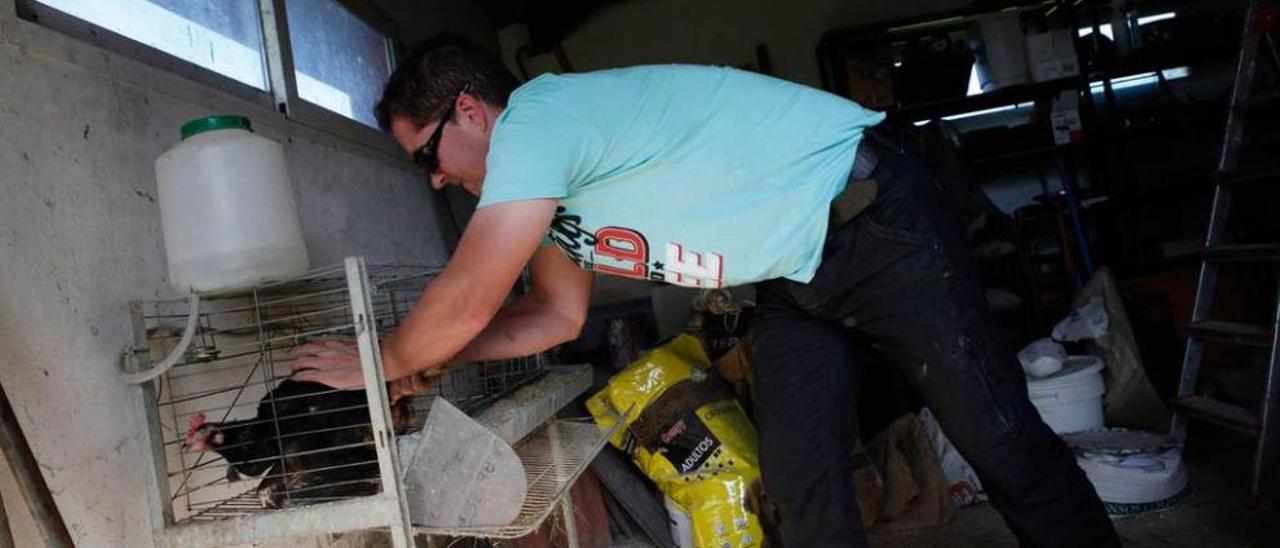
(721, 32)
(80, 236)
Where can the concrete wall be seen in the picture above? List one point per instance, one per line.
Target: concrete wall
(419, 19)
(80, 236)
(719, 32)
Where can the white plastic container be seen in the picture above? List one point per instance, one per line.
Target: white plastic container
(1052, 55)
(1071, 400)
(1041, 358)
(1003, 61)
(1137, 483)
(1138, 478)
(1133, 471)
(227, 208)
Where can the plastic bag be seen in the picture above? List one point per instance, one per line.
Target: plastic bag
(1131, 401)
(966, 488)
(1087, 322)
(690, 436)
(1042, 358)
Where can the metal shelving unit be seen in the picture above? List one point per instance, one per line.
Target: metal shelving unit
(837, 47)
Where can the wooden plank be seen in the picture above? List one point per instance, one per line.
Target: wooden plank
(638, 497)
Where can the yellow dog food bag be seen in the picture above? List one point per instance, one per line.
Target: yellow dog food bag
(690, 436)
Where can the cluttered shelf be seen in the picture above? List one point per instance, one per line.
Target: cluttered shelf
(1031, 92)
(1145, 62)
(1128, 66)
(1019, 84)
(1020, 93)
(924, 67)
(1136, 64)
(1022, 154)
(932, 22)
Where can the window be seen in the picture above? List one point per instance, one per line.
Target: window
(339, 51)
(340, 62)
(224, 36)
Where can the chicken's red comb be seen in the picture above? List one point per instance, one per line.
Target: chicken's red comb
(195, 422)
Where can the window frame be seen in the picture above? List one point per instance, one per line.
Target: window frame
(280, 67)
(281, 94)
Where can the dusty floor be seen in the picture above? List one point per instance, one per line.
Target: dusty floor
(1214, 515)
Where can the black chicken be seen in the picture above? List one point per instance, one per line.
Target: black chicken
(313, 442)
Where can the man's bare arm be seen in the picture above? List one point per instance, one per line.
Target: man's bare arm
(498, 241)
(461, 302)
(550, 314)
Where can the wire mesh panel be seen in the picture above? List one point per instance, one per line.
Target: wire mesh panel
(554, 456)
(240, 438)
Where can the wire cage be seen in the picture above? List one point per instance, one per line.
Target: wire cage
(239, 448)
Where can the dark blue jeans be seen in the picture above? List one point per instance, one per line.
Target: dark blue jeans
(901, 275)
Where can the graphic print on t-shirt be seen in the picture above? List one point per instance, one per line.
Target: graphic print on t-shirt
(626, 252)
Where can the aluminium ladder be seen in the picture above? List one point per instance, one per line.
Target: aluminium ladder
(1265, 423)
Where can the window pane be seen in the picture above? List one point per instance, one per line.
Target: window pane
(340, 62)
(221, 35)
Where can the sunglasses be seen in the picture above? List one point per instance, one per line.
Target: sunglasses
(427, 155)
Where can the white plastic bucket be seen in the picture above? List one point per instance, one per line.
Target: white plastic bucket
(227, 208)
(1131, 473)
(1071, 399)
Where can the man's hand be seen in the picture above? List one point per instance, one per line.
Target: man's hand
(331, 362)
(413, 385)
(336, 363)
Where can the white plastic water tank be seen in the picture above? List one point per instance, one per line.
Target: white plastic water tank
(227, 208)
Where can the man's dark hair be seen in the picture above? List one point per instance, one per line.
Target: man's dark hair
(437, 69)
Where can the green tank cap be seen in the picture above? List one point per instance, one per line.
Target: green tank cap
(214, 123)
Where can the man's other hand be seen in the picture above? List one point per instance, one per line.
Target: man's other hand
(413, 385)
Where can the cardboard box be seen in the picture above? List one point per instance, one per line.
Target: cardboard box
(1065, 119)
(1003, 61)
(1051, 55)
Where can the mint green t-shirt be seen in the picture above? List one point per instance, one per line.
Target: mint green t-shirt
(693, 175)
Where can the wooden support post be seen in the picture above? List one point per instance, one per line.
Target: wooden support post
(30, 481)
(6, 534)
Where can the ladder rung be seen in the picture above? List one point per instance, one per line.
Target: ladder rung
(1232, 332)
(1252, 174)
(1223, 414)
(1243, 252)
